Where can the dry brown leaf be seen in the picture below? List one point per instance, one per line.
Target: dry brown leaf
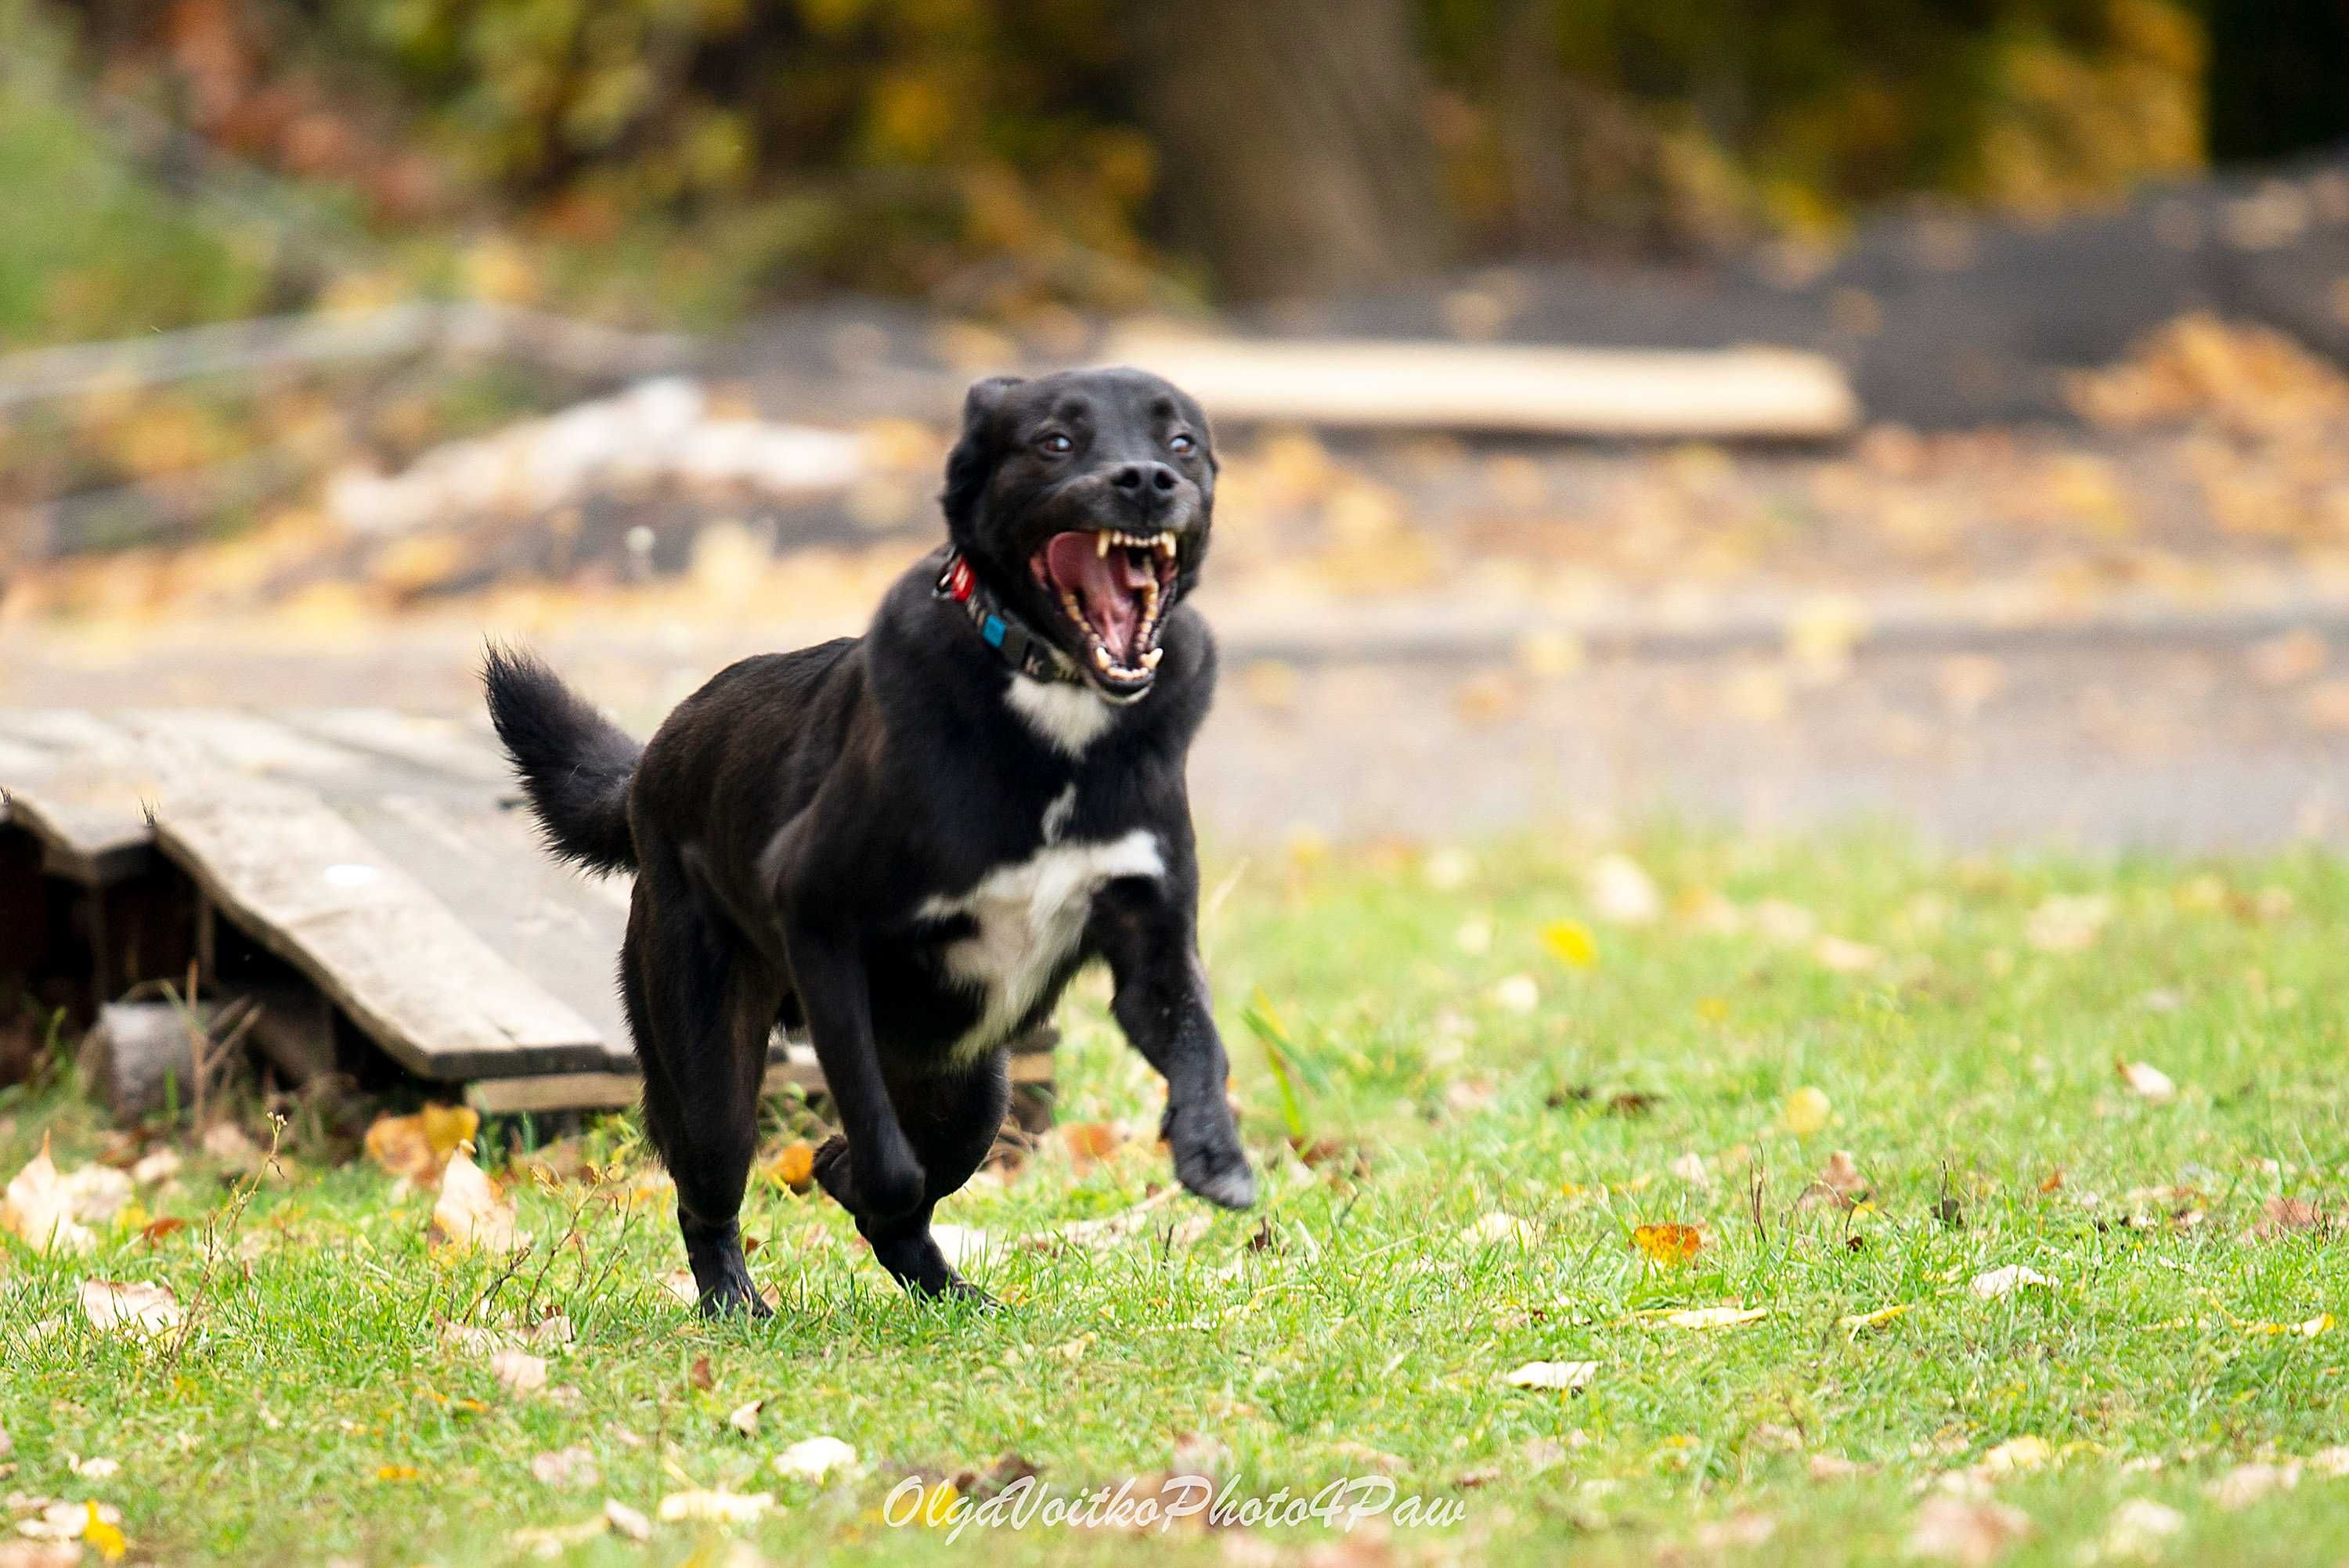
(1844, 956)
(718, 1507)
(37, 1209)
(2246, 1484)
(1562, 1376)
(1716, 1316)
(744, 1418)
(1499, 1230)
(816, 1458)
(1969, 1532)
(2147, 1082)
(681, 1283)
(2288, 1216)
(575, 1467)
(1839, 1183)
(1621, 892)
(626, 1520)
(415, 1147)
(2013, 1457)
(1742, 1531)
(471, 1213)
(145, 1306)
(519, 1371)
(2068, 923)
(2139, 1528)
(1090, 1142)
(700, 1376)
(2006, 1281)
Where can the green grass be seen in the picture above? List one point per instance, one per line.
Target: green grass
(1964, 1070)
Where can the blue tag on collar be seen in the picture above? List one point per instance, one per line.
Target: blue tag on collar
(993, 630)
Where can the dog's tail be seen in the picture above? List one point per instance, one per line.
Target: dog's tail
(574, 764)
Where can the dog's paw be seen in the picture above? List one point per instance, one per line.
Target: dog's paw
(1219, 1173)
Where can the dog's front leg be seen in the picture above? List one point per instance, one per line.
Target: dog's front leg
(883, 1181)
(1146, 932)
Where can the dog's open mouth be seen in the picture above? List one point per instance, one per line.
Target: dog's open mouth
(1114, 588)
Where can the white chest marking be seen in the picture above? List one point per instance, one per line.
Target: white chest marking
(1029, 918)
(1069, 717)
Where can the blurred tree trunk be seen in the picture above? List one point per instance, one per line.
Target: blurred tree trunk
(1293, 140)
(2279, 76)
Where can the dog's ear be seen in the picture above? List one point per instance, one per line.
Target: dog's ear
(973, 456)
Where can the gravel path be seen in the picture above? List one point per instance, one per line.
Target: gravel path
(2219, 733)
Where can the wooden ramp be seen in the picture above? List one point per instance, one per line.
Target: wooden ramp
(380, 857)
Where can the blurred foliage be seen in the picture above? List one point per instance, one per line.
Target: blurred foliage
(90, 243)
(992, 156)
(1687, 121)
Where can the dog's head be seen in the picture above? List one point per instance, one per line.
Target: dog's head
(1084, 499)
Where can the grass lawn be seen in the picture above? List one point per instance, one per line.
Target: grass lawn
(1500, 1085)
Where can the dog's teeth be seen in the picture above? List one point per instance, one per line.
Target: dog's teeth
(1165, 542)
(1100, 543)
(1101, 655)
(1150, 660)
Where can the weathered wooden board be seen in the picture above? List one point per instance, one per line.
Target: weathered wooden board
(1752, 392)
(486, 867)
(382, 855)
(80, 786)
(617, 1090)
(303, 882)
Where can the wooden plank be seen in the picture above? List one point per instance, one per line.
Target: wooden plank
(80, 786)
(94, 834)
(1770, 393)
(440, 746)
(560, 928)
(608, 1090)
(304, 882)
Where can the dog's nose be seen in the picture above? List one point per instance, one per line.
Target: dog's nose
(1149, 483)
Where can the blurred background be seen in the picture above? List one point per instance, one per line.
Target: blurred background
(1930, 410)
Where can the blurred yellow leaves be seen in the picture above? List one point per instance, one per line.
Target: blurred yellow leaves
(416, 1147)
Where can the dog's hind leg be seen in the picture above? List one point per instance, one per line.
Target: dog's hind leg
(951, 1119)
(701, 1037)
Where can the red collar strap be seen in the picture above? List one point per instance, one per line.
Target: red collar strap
(999, 629)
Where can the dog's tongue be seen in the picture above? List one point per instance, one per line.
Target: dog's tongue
(1108, 586)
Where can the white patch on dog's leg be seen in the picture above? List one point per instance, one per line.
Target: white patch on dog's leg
(1057, 814)
(1070, 718)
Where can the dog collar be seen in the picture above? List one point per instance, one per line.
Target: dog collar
(999, 629)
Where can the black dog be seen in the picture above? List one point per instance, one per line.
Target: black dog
(909, 842)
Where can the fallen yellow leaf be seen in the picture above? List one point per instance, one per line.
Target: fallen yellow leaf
(416, 1147)
(1716, 1316)
(795, 1166)
(1862, 1322)
(1806, 1112)
(104, 1537)
(1570, 943)
(1668, 1243)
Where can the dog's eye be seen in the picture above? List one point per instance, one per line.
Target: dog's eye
(1058, 444)
(1180, 442)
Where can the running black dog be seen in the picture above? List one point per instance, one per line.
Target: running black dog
(909, 842)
